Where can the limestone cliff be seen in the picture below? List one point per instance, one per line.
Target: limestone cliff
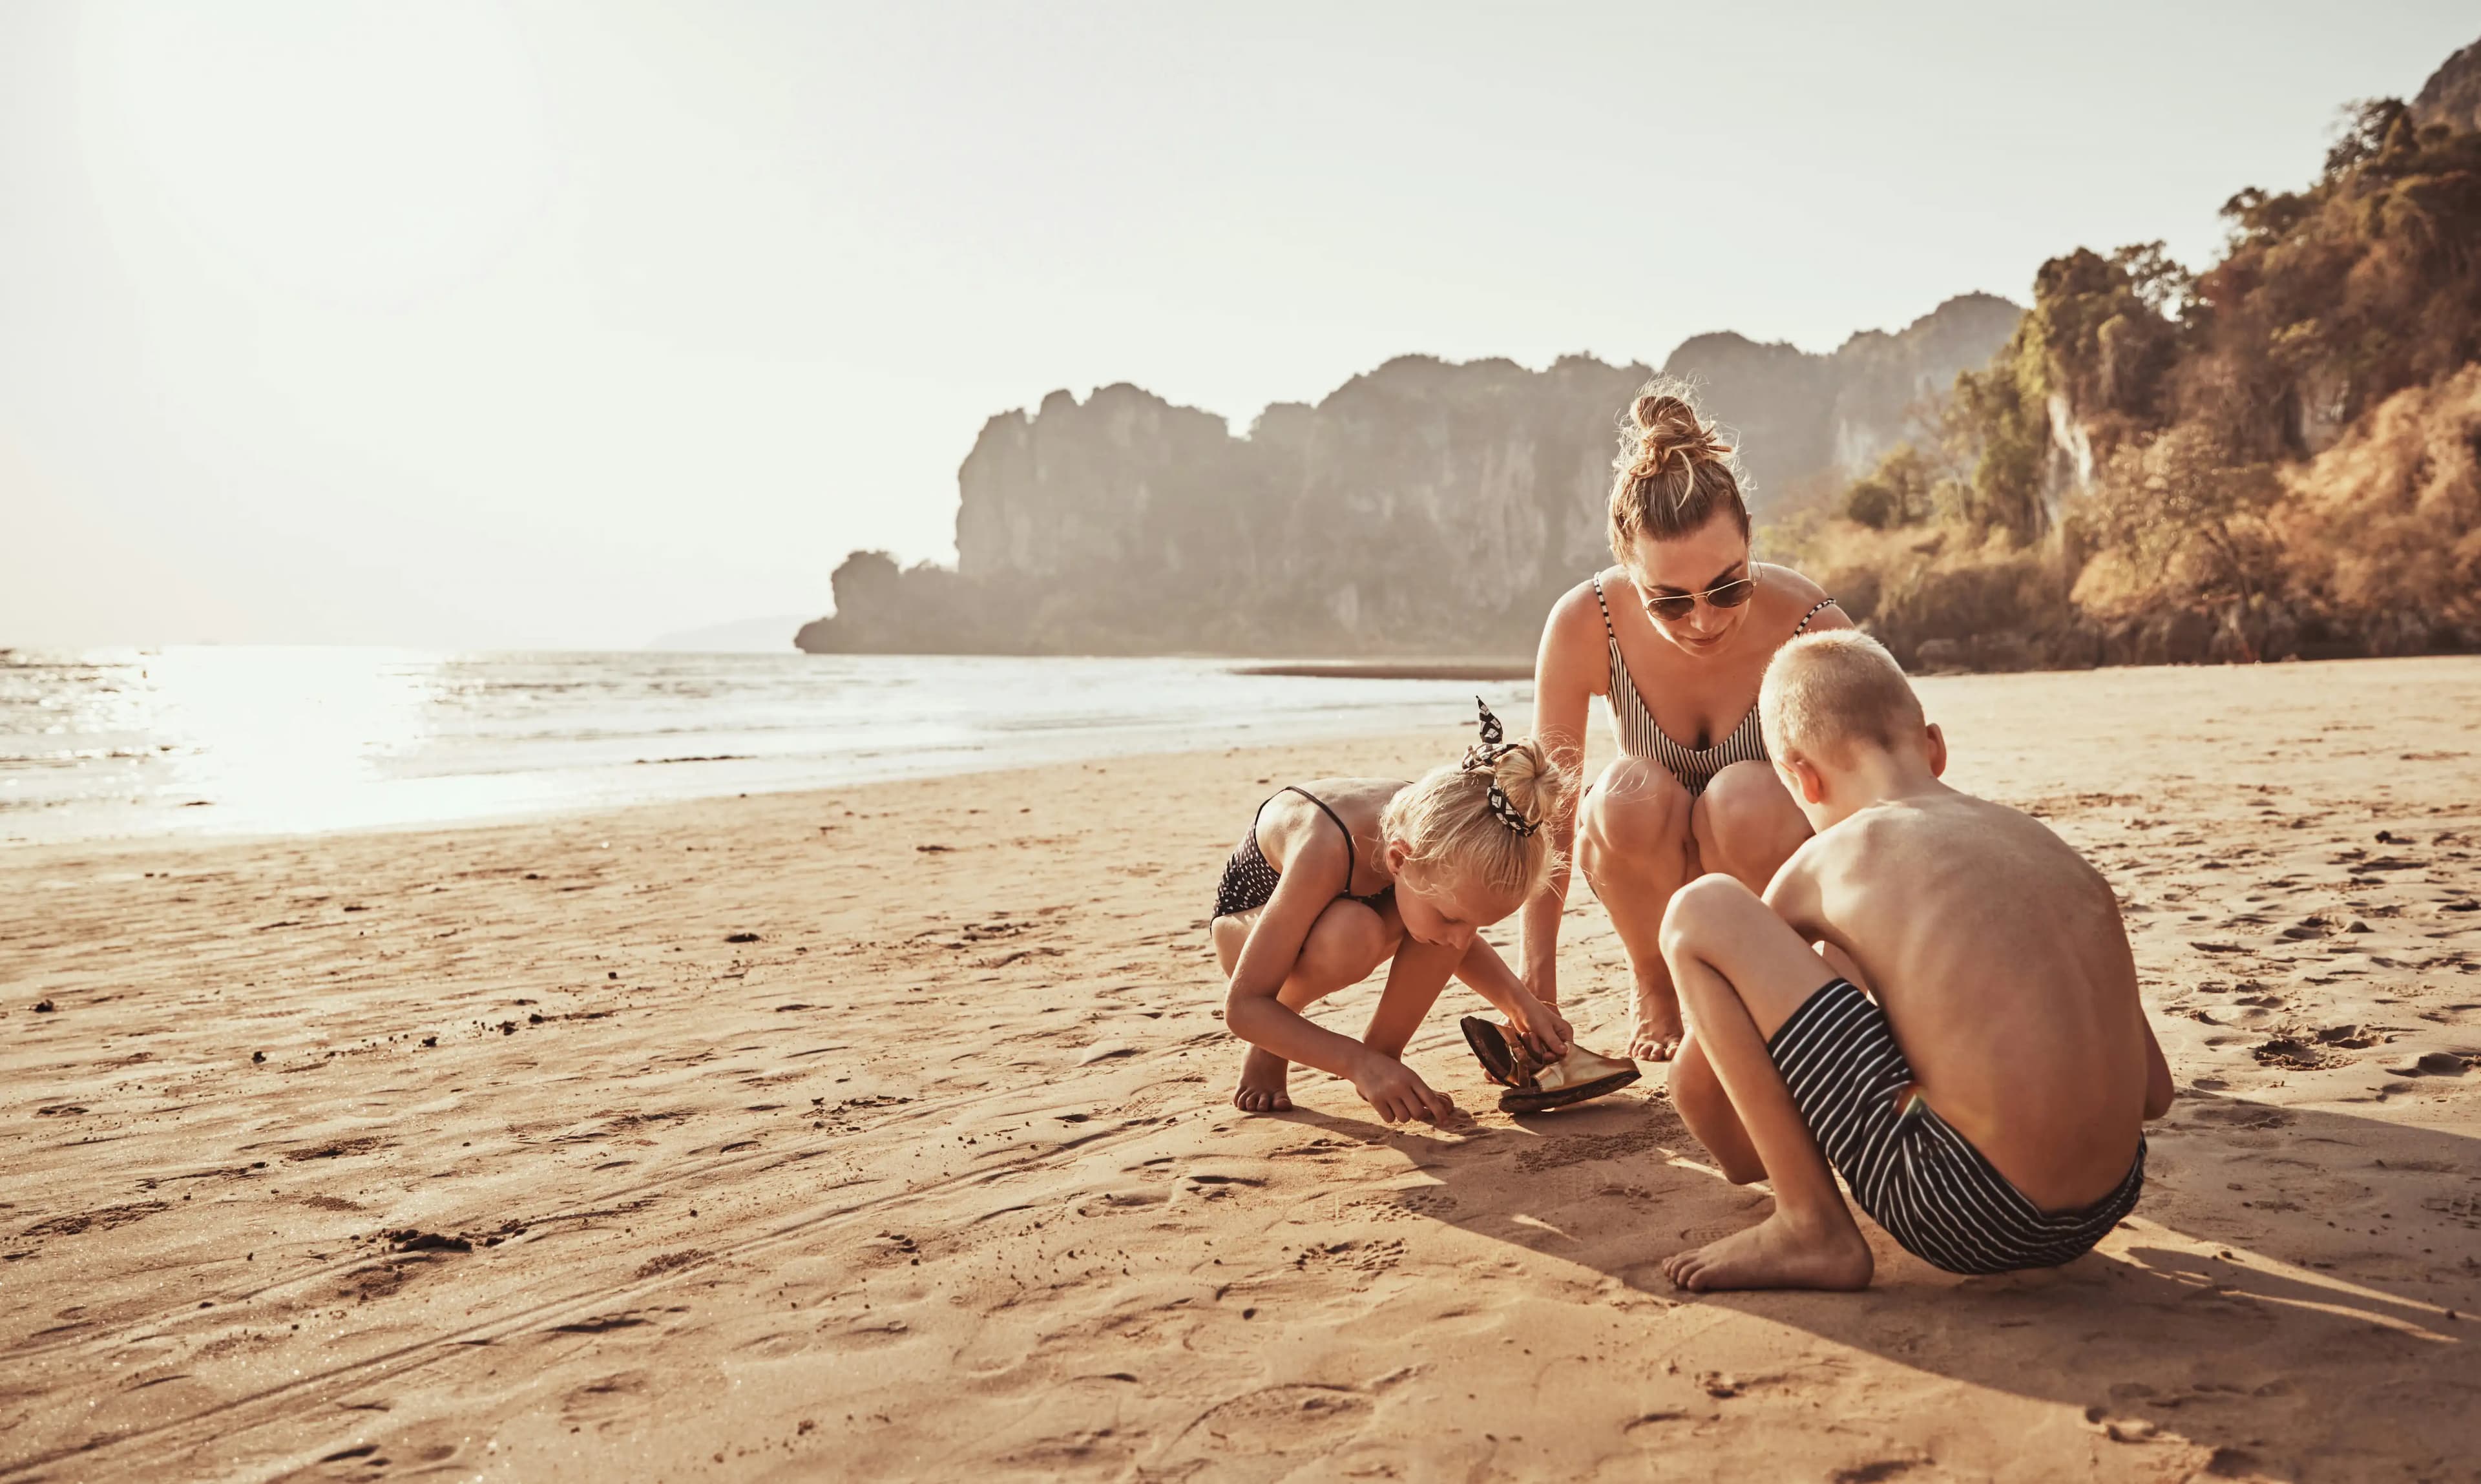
(1423, 507)
(2452, 95)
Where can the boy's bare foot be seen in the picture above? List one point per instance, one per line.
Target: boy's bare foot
(1656, 1034)
(1777, 1253)
(1266, 1084)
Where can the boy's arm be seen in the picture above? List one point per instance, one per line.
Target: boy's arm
(1795, 896)
(2158, 1091)
(2158, 1088)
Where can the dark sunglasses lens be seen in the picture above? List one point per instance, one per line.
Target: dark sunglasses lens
(1673, 608)
(1731, 595)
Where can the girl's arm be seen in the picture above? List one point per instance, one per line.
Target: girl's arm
(1490, 978)
(1313, 876)
(1564, 681)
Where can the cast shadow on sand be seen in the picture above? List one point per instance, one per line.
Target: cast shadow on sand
(2292, 1287)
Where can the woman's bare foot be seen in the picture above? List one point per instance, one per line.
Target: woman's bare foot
(1656, 1034)
(1777, 1253)
(1266, 1084)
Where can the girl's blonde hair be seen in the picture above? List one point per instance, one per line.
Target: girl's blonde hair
(1449, 821)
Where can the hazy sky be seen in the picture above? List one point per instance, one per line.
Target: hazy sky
(570, 324)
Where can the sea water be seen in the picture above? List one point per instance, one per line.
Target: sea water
(253, 740)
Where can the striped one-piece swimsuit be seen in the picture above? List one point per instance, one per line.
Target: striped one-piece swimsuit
(1639, 737)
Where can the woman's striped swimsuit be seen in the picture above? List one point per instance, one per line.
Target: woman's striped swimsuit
(1639, 738)
(1935, 1193)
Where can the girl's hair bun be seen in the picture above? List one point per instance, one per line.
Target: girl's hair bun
(1533, 788)
(1447, 821)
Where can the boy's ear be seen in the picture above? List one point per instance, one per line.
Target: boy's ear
(1805, 779)
(1394, 853)
(1938, 751)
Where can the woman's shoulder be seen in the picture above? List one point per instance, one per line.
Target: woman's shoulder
(1788, 594)
(1581, 607)
(1787, 585)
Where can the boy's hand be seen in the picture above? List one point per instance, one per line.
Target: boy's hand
(1390, 1086)
(1546, 1030)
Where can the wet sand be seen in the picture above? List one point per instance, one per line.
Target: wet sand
(884, 1133)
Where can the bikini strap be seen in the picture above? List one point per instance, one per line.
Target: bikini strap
(1607, 631)
(1815, 609)
(1351, 848)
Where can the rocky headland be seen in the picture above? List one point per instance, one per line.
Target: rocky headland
(2277, 455)
(1425, 507)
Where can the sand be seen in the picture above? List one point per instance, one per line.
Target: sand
(883, 1135)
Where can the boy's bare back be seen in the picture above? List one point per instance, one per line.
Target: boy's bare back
(1999, 958)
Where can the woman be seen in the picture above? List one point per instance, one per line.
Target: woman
(1677, 637)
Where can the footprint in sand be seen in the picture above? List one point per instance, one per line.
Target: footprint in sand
(1276, 1422)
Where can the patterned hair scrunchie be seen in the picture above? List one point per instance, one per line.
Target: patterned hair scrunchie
(1483, 756)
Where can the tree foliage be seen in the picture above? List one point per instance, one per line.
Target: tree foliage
(2205, 449)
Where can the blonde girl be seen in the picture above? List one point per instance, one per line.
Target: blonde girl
(1339, 875)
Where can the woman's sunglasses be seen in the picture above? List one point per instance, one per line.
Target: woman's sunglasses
(1677, 606)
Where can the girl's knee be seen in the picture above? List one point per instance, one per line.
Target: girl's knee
(1230, 936)
(1346, 942)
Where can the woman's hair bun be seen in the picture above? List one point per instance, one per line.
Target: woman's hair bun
(1669, 430)
(1674, 472)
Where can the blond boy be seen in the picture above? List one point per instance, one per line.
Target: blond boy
(1969, 1054)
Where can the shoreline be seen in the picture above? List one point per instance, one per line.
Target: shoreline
(154, 748)
(205, 834)
(953, 1125)
(1494, 670)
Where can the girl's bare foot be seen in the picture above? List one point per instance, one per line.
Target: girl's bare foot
(1266, 1084)
(1777, 1253)
(1656, 1034)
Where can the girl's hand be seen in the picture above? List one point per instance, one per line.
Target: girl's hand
(1546, 1030)
(1399, 1096)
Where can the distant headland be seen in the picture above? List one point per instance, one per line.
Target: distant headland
(2276, 456)
(1425, 507)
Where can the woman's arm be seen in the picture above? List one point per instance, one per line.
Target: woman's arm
(1566, 674)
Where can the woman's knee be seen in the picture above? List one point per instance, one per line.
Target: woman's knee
(1745, 822)
(1636, 816)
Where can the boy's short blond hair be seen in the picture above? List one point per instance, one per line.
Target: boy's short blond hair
(1823, 692)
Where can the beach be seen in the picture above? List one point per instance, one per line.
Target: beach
(884, 1133)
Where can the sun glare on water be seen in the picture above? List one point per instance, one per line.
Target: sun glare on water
(285, 740)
